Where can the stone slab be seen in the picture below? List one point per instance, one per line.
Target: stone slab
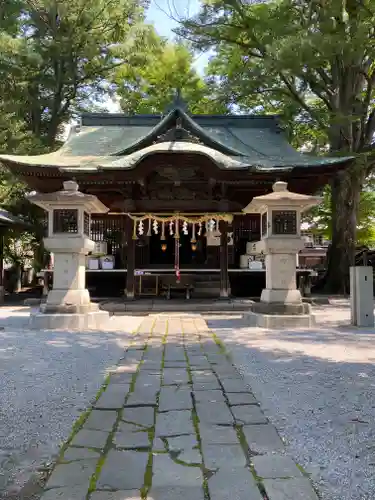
(215, 396)
(262, 438)
(158, 445)
(129, 437)
(241, 398)
(203, 377)
(187, 446)
(285, 489)
(206, 386)
(249, 414)
(199, 362)
(174, 423)
(223, 455)
(167, 473)
(69, 493)
(271, 322)
(122, 377)
(234, 385)
(175, 364)
(174, 354)
(175, 376)
(216, 434)
(97, 320)
(142, 397)
(175, 398)
(101, 420)
(116, 495)
(113, 397)
(72, 474)
(72, 454)
(214, 413)
(176, 492)
(125, 367)
(123, 470)
(227, 372)
(216, 359)
(148, 381)
(275, 466)
(233, 484)
(141, 416)
(90, 439)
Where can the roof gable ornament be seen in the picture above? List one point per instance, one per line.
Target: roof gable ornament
(178, 134)
(178, 102)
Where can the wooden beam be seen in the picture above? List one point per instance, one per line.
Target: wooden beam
(224, 277)
(130, 261)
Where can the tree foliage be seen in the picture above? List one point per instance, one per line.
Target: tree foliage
(320, 219)
(318, 58)
(151, 88)
(55, 56)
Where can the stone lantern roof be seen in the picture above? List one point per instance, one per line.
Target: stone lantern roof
(282, 197)
(68, 197)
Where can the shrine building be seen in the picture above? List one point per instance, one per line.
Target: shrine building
(175, 186)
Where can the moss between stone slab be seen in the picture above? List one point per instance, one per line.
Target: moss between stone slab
(304, 472)
(95, 476)
(195, 420)
(219, 343)
(78, 424)
(147, 482)
(248, 454)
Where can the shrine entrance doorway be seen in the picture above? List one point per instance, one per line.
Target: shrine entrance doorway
(191, 254)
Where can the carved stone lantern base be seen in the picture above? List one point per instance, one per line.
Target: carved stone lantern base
(92, 320)
(279, 320)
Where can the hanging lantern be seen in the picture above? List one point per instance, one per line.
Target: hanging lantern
(163, 247)
(194, 246)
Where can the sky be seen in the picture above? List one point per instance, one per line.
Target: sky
(163, 14)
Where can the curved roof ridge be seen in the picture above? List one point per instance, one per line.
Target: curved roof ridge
(194, 127)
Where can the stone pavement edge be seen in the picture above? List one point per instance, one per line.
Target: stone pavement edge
(175, 420)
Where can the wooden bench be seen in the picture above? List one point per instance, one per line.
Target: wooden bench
(169, 283)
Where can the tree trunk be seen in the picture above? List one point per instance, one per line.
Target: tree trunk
(346, 188)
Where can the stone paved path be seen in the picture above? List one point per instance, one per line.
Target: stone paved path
(175, 421)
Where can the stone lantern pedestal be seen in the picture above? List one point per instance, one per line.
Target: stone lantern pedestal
(280, 302)
(68, 304)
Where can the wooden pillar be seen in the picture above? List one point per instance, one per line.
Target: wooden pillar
(224, 278)
(130, 261)
(2, 287)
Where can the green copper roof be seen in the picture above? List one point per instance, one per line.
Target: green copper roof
(115, 141)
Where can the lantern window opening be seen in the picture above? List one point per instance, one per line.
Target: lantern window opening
(65, 221)
(284, 222)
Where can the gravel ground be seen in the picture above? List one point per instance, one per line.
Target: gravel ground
(46, 380)
(317, 387)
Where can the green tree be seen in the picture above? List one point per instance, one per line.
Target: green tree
(320, 219)
(151, 86)
(319, 57)
(58, 55)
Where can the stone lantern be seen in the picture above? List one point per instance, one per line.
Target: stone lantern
(280, 212)
(68, 304)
